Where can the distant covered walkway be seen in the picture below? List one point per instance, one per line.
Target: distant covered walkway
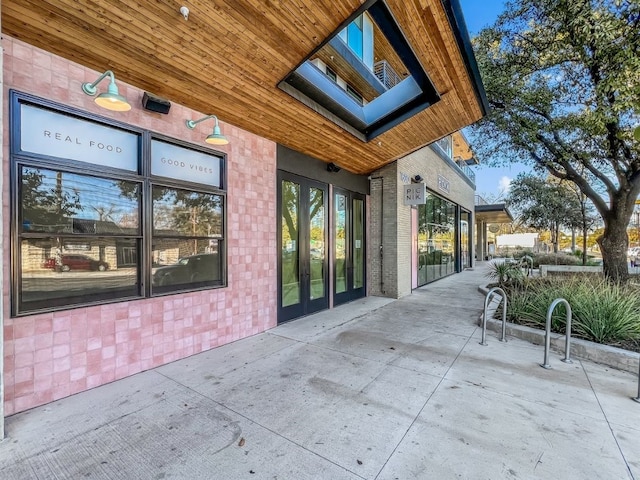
(485, 215)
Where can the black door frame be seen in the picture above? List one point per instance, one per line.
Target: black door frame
(306, 305)
(351, 293)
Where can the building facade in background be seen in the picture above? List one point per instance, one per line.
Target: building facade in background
(130, 242)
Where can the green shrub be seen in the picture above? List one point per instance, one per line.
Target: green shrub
(601, 312)
(504, 273)
(554, 259)
(519, 253)
(607, 313)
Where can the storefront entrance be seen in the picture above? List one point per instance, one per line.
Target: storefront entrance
(349, 246)
(321, 246)
(436, 239)
(302, 237)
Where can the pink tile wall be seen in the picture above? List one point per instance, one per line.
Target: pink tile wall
(53, 355)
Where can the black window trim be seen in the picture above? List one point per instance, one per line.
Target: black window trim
(19, 158)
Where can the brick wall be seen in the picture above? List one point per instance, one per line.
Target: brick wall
(394, 224)
(53, 355)
(383, 231)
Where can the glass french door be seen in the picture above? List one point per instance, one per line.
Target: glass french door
(302, 236)
(349, 271)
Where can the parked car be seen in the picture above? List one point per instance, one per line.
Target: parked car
(76, 262)
(192, 269)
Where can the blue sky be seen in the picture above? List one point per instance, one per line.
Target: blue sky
(489, 180)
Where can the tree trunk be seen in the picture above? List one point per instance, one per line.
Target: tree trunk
(613, 245)
(583, 214)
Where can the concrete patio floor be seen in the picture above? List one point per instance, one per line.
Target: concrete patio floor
(376, 389)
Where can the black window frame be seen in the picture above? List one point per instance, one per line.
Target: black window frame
(353, 93)
(331, 74)
(142, 175)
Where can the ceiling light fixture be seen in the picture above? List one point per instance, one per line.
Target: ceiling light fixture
(111, 99)
(216, 137)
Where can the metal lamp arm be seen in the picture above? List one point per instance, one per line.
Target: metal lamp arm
(192, 123)
(90, 88)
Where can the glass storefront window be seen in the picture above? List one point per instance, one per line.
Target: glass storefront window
(187, 232)
(436, 239)
(53, 201)
(74, 230)
(84, 235)
(57, 271)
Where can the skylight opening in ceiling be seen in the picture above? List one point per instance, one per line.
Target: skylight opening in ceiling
(365, 77)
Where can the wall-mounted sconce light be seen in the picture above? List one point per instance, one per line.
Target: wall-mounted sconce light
(333, 168)
(216, 138)
(417, 179)
(111, 99)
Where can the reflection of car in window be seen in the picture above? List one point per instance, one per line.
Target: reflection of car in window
(76, 262)
(192, 269)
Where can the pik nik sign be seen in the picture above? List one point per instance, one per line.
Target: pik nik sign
(414, 194)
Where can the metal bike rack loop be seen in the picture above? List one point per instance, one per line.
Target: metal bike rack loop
(504, 316)
(547, 333)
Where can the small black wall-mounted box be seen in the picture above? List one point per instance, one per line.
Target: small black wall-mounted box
(155, 104)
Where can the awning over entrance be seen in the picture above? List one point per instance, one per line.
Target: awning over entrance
(495, 213)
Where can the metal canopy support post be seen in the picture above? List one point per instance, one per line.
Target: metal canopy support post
(504, 315)
(547, 333)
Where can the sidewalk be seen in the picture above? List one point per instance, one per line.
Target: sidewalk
(376, 389)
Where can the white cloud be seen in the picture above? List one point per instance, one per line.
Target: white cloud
(504, 184)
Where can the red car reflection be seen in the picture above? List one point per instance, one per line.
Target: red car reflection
(76, 262)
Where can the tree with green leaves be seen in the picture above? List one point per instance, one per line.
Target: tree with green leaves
(46, 204)
(544, 205)
(187, 213)
(562, 78)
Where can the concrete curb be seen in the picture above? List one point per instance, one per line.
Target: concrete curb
(613, 357)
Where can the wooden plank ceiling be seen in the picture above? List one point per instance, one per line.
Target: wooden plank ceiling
(229, 56)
